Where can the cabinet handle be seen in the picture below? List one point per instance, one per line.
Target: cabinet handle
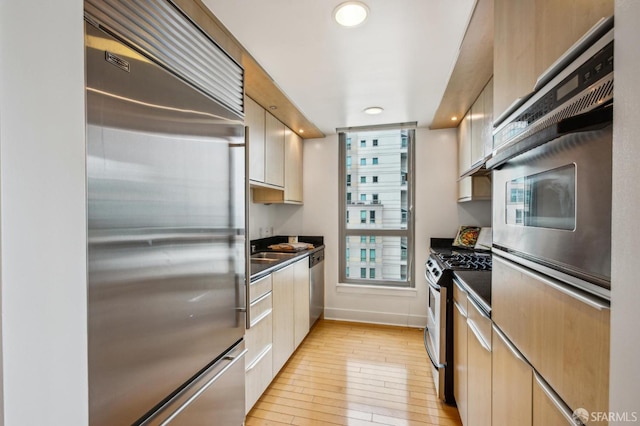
(460, 310)
(253, 365)
(478, 308)
(516, 353)
(555, 399)
(261, 317)
(260, 299)
(476, 332)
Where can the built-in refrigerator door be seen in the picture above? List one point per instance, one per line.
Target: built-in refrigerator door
(166, 237)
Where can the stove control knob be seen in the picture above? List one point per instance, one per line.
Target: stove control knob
(435, 272)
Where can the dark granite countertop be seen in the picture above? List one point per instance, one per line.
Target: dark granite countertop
(259, 270)
(478, 286)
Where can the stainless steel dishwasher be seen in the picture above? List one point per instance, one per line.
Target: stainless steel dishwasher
(316, 286)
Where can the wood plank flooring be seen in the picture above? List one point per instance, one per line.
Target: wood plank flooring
(355, 374)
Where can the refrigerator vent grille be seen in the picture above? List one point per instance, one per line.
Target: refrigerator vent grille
(160, 31)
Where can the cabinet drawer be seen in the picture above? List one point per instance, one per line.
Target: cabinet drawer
(562, 332)
(259, 288)
(480, 322)
(258, 375)
(460, 296)
(260, 335)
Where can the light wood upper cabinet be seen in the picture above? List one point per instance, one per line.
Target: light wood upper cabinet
(464, 144)
(292, 167)
(529, 36)
(274, 151)
(254, 119)
(477, 130)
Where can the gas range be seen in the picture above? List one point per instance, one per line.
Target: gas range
(438, 334)
(444, 260)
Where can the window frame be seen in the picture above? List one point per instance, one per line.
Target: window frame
(406, 233)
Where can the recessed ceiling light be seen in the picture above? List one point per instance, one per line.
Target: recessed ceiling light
(301, 131)
(351, 13)
(454, 118)
(373, 110)
(273, 107)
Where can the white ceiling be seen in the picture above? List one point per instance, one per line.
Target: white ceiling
(399, 59)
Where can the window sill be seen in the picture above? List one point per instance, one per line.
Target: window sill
(376, 290)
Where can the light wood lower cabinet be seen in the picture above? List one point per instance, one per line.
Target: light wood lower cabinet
(283, 325)
(300, 300)
(512, 381)
(460, 351)
(479, 367)
(548, 409)
(563, 333)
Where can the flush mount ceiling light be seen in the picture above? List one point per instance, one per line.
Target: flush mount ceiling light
(351, 13)
(373, 110)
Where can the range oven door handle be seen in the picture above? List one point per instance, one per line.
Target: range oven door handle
(426, 346)
(432, 284)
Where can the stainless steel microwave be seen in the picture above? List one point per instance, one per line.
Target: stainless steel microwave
(552, 179)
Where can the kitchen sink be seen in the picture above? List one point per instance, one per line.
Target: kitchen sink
(268, 257)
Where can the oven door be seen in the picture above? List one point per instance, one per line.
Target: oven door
(435, 334)
(552, 206)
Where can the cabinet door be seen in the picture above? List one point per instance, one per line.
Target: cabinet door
(254, 118)
(548, 408)
(292, 167)
(512, 379)
(478, 368)
(477, 129)
(274, 151)
(464, 145)
(487, 127)
(301, 300)
(460, 360)
(282, 294)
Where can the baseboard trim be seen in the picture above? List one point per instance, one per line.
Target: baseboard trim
(370, 317)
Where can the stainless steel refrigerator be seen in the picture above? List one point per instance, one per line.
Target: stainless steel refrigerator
(166, 244)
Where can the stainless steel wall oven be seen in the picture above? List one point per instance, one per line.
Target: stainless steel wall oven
(552, 171)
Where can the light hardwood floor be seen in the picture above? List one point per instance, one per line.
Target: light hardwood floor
(355, 374)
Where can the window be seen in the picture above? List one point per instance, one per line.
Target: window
(363, 143)
(347, 217)
(348, 198)
(348, 144)
(348, 180)
(349, 162)
(384, 233)
(347, 271)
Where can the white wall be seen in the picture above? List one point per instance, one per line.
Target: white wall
(625, 281)
(437, 215)
(43, 237)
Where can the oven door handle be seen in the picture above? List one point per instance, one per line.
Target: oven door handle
(432, 284)
(426, 346)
